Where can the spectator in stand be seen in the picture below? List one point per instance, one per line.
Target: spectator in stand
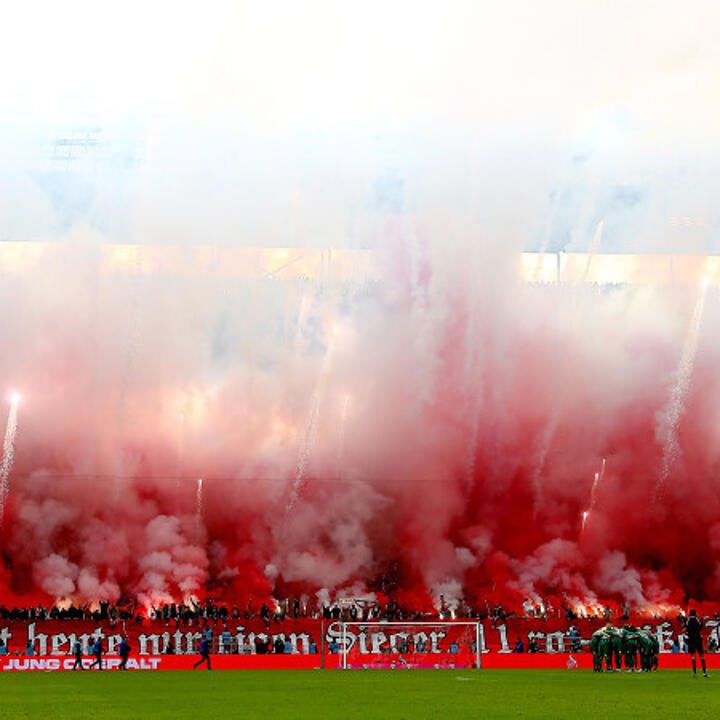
(453, 649)
(574, 636)
(226, 641)
(313, 648)
(30, 648)
(533, 646)
(334, 647)
(498, 615)
(288, 647)
(3, 648)
(444, 610)
(279, 613)
(279, 646)
(114, 614)
(675, 648)
(519, 647)
(265, 615)
(528, 607)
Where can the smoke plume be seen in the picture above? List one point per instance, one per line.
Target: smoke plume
(406, 414)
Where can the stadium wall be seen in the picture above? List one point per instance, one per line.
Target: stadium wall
(53, 641)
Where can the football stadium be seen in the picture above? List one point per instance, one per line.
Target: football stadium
(360, 360)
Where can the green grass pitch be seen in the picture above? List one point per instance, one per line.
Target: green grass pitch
(363, 694)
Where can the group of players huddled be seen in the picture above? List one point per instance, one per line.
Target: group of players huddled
(638, 648)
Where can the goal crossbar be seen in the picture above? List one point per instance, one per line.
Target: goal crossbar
(367, 627)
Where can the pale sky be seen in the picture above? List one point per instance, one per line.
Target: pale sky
(512, 89)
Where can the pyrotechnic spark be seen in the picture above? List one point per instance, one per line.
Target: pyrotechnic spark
(558, 408)
(305, 449)
(180, 449)
(473, 371)
(597, 239)
(311, 429)
(199, 506)
(597, 479)
(341, 437)
(669, 418)
(8, 452)
(132, 349)
(473, 442)
(593, 491)
(545, 442)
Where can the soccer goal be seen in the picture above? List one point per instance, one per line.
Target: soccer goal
(406, 645)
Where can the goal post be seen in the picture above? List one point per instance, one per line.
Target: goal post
(404, 645)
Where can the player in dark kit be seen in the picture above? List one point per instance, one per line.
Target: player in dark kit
(124, 650)
(77, 650)
(97, 652)
(695, 643)
(204, 654)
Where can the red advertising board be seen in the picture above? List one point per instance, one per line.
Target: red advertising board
(490, 661)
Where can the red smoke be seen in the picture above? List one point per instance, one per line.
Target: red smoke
(442, 428)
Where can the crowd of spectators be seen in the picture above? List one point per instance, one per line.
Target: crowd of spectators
(104, 611)
(214, 622)
(195, 613)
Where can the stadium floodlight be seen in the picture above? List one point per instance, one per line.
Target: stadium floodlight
(410, 645)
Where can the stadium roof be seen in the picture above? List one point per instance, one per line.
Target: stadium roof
(343, 264)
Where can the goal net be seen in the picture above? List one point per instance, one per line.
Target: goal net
(397, 645)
